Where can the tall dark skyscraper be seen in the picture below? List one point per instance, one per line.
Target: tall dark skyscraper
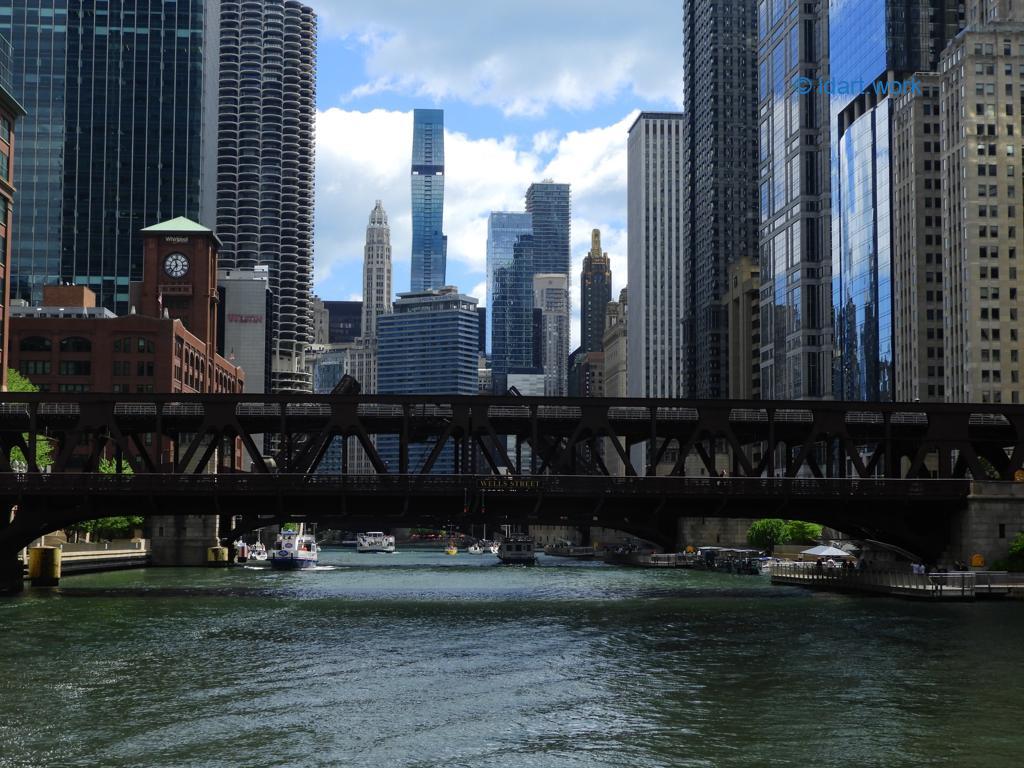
(114, 137)
(596, 292)
(551, 208)
(720, 178)
(429, 244)
(871, 41)
(264, 163)
(148, 110)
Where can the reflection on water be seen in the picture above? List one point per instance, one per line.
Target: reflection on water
(418, 659)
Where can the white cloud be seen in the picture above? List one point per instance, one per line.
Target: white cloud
(522, 58)
(363, 156)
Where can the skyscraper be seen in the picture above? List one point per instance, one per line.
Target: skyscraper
(655, 209)
(264, 162)
(427, 345)
(877, 41)
(376, 271)
(551, 300)
(429, 243)
(796, 301)
(720, 166)
(595, 293)
(510, 293)
(114, 137)
(550, 207)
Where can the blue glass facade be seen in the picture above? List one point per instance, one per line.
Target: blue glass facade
(428, 345)
(870, 40)
(510, 317)
(429, 244)
(112, 142)
(862, 274)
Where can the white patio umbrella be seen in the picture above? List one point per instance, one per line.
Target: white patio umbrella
(823, 551)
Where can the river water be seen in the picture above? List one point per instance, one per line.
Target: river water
(420, 659)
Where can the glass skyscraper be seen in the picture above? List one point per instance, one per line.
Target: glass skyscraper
(113, 140)
(511, 303)
(870, 41)
(795, 291)
(429, 244)
(551, 208)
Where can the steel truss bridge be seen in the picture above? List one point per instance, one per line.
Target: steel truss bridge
(891, 471)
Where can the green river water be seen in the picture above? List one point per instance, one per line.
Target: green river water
(419, 659)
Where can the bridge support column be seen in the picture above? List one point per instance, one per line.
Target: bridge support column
(993, 516)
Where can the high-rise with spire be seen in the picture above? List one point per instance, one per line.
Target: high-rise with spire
(376, 270)
(596, 292)
(429, 244)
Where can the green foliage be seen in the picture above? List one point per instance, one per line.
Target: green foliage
(109, 467)
(765, 534)
(799, 532)
(44, 448)
(290, 527)
(1017, 545)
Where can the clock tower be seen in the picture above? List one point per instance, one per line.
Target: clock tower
(180, 276)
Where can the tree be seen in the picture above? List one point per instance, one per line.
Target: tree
(765, 534)
(799, 532)
(44, 448)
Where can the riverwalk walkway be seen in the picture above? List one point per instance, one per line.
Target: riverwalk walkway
(958, 585)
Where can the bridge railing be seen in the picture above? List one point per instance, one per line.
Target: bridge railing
(894, 581)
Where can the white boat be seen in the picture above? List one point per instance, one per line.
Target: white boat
(294, 550)
(517, 549)
(258, 551)
(375, 541)
(475, 549)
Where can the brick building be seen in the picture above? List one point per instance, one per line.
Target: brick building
(168, 344)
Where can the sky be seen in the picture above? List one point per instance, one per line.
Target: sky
(531, 89)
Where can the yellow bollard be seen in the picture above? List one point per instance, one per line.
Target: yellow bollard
(217, 556)
(44, 566)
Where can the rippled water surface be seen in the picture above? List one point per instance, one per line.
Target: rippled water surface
(418, 659)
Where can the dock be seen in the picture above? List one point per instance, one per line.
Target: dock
(959, 585)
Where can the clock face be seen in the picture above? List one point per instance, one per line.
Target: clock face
(176, 265)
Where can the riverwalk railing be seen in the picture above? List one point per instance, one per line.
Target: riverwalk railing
(956, 585)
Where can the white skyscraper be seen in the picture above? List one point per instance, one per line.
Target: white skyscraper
(551, 300)
(376, 271)
(655, 255)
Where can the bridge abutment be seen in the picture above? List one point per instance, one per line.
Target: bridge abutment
(993, 516)
(182, 540)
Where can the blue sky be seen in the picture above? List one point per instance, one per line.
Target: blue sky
(530, 90)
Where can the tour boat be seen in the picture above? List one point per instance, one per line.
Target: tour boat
(568, 549)
(375, 541)
(294, 550)
(258, 551)
(517, 549)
